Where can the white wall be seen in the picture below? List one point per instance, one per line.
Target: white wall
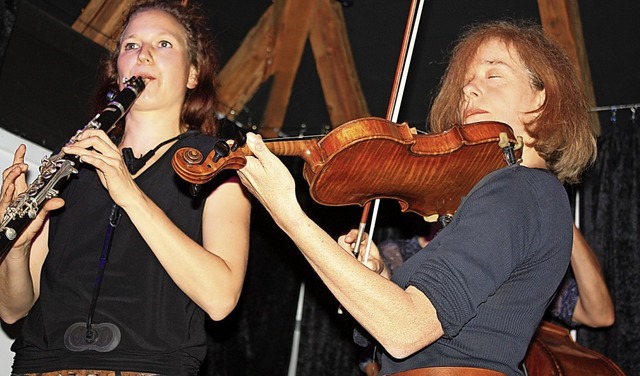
(8, 144)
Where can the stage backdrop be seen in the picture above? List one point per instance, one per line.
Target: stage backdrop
(610, 222)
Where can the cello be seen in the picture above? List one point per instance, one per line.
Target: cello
(553, 352)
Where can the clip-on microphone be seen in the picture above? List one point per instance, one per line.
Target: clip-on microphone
(135, 164)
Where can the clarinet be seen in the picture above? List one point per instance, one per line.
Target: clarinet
(56, 170)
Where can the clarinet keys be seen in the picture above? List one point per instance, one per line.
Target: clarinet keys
(10, 233)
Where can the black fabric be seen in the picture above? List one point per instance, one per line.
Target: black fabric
(609, 221)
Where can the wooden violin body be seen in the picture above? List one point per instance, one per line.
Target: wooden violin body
(371, 158)
(553, 352)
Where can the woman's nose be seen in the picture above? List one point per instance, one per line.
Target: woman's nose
(471, 89)
(144, 55)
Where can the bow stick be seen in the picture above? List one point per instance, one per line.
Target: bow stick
(402, 71)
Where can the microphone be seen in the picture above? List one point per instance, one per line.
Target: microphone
(135, 164)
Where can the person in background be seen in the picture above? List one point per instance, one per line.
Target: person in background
(583, 297)
(470, 302)
(172, 258)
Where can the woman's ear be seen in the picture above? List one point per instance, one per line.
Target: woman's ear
(192, 82)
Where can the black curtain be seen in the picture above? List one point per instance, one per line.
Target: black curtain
(609, 218)
(8, 12)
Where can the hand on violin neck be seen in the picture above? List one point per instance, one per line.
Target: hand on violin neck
(269, 180)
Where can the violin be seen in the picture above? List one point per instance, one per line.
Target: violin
(553, 352)
(371, 158)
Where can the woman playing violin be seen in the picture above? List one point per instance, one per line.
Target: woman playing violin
(172, 258)
(468, 303)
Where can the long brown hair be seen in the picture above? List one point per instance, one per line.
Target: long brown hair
(562, 133)
(198, 110)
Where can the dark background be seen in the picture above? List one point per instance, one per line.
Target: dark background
(49, 70)
(48, 74)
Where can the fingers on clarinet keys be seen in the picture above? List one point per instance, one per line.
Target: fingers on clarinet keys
(101, 337)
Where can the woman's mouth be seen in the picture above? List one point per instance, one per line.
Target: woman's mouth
(473, 112)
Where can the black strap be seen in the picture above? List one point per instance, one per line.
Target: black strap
(135, 164)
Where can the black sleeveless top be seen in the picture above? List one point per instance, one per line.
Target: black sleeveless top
(162, 330)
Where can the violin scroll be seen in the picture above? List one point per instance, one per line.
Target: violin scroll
(192, 156)
(191, 165)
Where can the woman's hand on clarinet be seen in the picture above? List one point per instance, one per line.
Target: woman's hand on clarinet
(14, 178)
(95, 148)
(370, 259)
(14, 182)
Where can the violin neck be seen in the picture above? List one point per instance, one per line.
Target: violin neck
(306, 149)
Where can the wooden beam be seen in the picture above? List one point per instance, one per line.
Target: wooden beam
(336, 68)
(100, 19)
(249, 67)
(272, 48)
(292, 23)
(561, 21)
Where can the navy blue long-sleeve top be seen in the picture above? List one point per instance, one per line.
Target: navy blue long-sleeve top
(492, 272)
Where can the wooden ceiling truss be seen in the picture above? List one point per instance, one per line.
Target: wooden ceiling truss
(273, 49)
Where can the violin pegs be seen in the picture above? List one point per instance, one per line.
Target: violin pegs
(240, 140)
(222, 149)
